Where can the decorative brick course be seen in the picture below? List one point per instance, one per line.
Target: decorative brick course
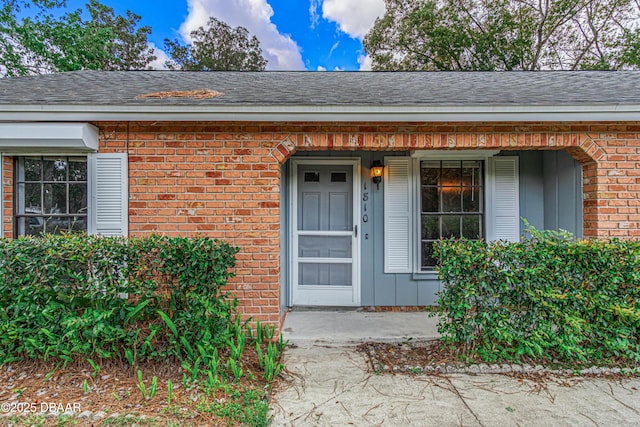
(223, 179)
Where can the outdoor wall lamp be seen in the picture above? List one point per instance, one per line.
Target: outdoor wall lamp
(376, 172)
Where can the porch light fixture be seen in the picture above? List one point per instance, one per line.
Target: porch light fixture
(376, 172)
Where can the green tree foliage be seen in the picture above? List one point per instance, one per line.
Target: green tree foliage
(217, 47)
(34, 40)
(488, 35)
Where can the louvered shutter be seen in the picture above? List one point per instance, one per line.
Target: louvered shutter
(108, 186)
(398, 215)
(505, 202)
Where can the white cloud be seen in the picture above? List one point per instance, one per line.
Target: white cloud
(334, 47)
(161, 58)
(321, 68)
(314, 5)
(365, 62)
(255, 15)
(354, 17)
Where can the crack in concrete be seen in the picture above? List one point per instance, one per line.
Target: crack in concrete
(457, 392)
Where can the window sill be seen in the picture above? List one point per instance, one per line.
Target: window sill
(425, 275)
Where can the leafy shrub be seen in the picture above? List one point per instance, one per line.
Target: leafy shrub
(545, 298)
(110, 297)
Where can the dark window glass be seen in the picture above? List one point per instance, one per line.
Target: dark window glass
(312, 177)
(51, 195)
(452, 202)
(338, 177)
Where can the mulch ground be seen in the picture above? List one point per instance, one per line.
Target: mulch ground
(413, 357)
(27, 388)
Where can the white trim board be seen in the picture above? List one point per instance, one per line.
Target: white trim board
(59, 138)
(331, 113)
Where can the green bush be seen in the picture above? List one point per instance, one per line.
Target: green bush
(110, 297)
(545, 298)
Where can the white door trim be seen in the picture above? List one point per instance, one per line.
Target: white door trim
(293, 226)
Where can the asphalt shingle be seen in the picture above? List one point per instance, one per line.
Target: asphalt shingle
(124, 88)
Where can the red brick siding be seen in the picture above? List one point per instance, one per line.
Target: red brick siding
(223, 179)
(7, 196)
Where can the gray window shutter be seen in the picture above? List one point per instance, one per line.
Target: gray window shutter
(505, 201)
(108, 194)
(398, 215)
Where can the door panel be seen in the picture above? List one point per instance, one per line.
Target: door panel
(340, 218)
(324, 238)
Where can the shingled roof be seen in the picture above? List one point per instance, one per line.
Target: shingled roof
(133, 92)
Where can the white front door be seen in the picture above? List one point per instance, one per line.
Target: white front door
(325, 266)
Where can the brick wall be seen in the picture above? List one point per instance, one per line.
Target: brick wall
(7, 196)
(223, 180)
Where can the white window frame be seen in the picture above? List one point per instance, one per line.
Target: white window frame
(18, 167)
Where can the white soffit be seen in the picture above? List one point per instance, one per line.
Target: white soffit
(48, 137)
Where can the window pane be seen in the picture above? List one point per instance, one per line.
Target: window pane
(450, 226)
(451, 174)
(78, 198)
(78, 223)
(57, 225)
(338, 177)
(427, 255)
(55, 169)
(32, 171)
(430, 227)
(471, 173)
(32, 202)
(430, 172)
(30, 225)
(471, 227)
(430, 201)
(471, 199)
(55, 198)
(451, 201)
(77, 169)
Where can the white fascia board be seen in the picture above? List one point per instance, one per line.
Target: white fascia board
(45, 137)
(327, 113)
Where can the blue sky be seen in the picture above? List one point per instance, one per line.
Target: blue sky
(294, 34)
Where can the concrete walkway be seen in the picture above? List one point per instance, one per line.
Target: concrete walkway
(330, 385)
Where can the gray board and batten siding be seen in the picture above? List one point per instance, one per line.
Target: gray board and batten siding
(550, 198)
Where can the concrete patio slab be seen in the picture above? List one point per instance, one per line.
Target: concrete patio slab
(344, 327)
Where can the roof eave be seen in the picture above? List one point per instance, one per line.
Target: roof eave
(321, 113)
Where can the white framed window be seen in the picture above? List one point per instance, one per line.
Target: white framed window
(433, 195)
(451, 203)
(51, 195)
(56, 194)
